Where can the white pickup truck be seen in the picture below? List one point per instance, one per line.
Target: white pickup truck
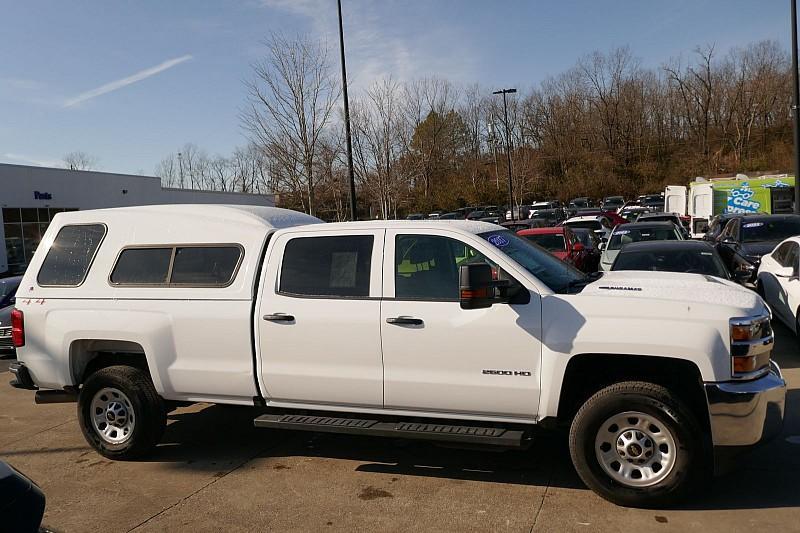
(444, 330)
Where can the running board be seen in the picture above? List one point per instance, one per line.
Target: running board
(410, 430)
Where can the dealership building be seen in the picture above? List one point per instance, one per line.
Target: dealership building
(31, 196)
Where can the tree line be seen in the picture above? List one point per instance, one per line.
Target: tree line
(606, 126)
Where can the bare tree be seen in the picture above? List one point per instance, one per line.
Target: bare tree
(80, 161)
(291, 99)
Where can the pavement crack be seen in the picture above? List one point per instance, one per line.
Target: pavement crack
(541, 502)
(31, 435)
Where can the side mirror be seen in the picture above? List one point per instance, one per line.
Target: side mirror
(578, 247)
(476, 288)
(742, 276)
(785, 272)
(729, 241)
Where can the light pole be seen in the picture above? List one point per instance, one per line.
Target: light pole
(353, 212)
(795, 111)
(180, 169)
(504, 92)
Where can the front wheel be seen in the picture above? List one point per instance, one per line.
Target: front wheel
(121, 415)
(634, 444)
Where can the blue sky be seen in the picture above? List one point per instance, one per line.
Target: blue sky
(130, 82)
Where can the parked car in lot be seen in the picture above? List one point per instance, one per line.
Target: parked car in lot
(675, 218)
(690, 257)
(597, 223)
(591, 243)
(580, 202)
(653, 201)
(635, 232)
(331, 327)
(561, 242)
(612, 217)
(717, 224)
(631, 213)
(450, 216)
(612, 203)
(519, 225)
(416, 216)
(746, 239)
(552, 217)
(779, 282)
(8, 291)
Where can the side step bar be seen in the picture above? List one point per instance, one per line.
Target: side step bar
(410, 430)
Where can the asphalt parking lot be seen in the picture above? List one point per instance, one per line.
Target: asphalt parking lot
(214, 472)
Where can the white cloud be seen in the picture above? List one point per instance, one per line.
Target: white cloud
(133, 78)
(31, 160)
(378, 48)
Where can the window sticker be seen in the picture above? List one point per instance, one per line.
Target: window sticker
(498, 240)
(622, 232)
(753, 225)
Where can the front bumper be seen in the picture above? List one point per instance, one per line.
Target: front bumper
(744, 414)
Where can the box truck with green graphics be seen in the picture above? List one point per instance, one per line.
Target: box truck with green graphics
(706, 198)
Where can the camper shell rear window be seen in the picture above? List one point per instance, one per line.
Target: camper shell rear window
(71, 255)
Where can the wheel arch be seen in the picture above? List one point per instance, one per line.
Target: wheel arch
(87, 356)
(586, 374)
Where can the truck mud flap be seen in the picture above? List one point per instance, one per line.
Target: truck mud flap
(507, 438)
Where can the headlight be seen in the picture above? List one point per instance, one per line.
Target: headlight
(751, 346)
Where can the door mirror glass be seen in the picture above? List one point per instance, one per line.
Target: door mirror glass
(476, 286)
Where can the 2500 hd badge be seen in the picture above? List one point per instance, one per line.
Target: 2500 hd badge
(507, 372)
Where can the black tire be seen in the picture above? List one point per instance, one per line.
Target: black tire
(146, 405)
(692, 464)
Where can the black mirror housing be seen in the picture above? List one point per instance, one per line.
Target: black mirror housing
(476, 287)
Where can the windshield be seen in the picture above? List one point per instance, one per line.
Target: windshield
(585, 224)
(770, 230)
(552, 242)
(556, 274)
(688, 261)
(623, 236)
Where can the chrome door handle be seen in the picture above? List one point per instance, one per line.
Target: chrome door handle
(405, 320)
(279, 317)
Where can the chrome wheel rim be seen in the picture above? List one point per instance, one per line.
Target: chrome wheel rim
(112, 415)
(635, 449)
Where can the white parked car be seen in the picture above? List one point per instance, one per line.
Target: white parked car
(600, 225)
(636, 232)
(444, 330)
(779, 282)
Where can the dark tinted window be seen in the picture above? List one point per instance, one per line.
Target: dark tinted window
(68, 259)
(621, 237)
(770, 230)
(552, 242)
(327, 266)
(205, 265)
(689, 261)
(142, 266)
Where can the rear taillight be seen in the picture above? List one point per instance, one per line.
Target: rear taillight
(17, 328)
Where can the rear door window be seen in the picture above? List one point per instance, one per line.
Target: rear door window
(70, 256)
(328, 267)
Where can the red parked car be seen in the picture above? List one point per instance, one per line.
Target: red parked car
(561, 242)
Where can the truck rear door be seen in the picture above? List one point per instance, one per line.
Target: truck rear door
(317, 319)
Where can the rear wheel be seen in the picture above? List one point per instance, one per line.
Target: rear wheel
(636, 445)
(121, 415)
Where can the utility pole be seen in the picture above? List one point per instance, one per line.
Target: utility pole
(353, 211)
(504, 92)
(795, 111)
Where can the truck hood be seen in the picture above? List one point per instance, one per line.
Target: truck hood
(672, 286)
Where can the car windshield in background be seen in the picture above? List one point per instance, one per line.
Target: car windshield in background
(586, 224)
(556, 274)
(689, 261)
(552, 242)
(622, 237)
(770, 230)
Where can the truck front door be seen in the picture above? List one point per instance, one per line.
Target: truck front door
(439, 358)
(317, 319)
